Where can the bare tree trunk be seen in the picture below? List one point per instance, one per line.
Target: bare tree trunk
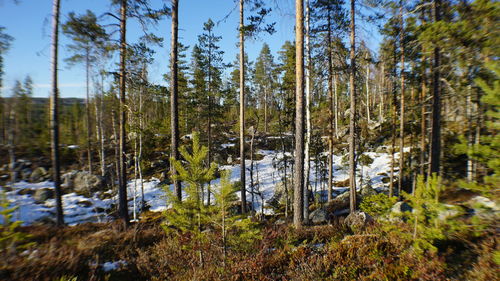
(11, 140)
(336, 105)
(174, 89)
(352, 113)
(308, 117)
(101, 132)
(436, 102)
(423, 119)
(470, 135)
(242, 109)
(265, 111)
(402, 116)
(122, 191)
(87, 109)
(54, 114)
(298, 202)
(393, 133)
(368, 89)
(330, 108)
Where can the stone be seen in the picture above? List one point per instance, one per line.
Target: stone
(400, 207)
(26, 173)
(229, 159)
(25, 191)
(358, 220)
(41, 195)
(319, 216)
(84, 203)
(450, 211)
(85, 183)
(39, 174)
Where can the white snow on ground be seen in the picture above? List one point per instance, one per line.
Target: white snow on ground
(79, 209)
(110, 266)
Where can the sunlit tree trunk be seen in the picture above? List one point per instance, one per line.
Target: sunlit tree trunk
(308, 117)
(330, 107)
(298, 192)
(402, 112)
(352, 113)
(122, 191)
(174, 88)
(436, 101)
(242, 109)
(54, 115)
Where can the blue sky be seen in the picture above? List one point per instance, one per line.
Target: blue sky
(29, 23)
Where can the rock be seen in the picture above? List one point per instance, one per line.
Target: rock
(68, 180)
(484, 207)
(358, 220)
(319, 216)
(367, 190)
(84, 203)
(25, 191)
(450, 211)
(85, 183)
(41, 195)
(229, 159)
(483, 202)
(39, 174)
(400, 207)
(25, 173)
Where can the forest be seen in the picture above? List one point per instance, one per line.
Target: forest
(339, 156)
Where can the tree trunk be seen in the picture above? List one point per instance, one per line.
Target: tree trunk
(330, 108)
(308, 117)
(423, 119)
(298, 202)
(122, 191)
(87, 110)
(174, 88)
(402, 116)
(54, 114)
(352, 113)
(394, 124)
(436, 102)
(242, 110)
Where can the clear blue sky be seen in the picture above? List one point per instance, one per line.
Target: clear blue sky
(29, 23)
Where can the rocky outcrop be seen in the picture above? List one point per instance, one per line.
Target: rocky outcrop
(358, 220)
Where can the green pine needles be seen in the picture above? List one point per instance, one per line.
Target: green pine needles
(11, 240)
(193, 217)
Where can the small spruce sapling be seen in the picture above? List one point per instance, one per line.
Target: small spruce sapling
(237, 231)
(191, 215)
(10, 239)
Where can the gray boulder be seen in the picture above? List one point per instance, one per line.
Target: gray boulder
(400, 207)
(85, 183)
(25, 173)
(41, 195)
(358, 220)
(319, 216)
(82, 182)
(39, 174)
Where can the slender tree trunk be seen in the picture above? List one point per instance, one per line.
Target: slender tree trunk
(470, 135)
(352, 113)
(101, 132)
(265, 111)
(402, 116)
(174, 88)
(242, 110)
(298, 202)
(436, 102)
(122, 191)
(367, 89)
(423, 119)
(308, 117)
(87, 109)
(394, 125)
(330, 108)
(336, 104)
(11, 139)
(54, 114)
